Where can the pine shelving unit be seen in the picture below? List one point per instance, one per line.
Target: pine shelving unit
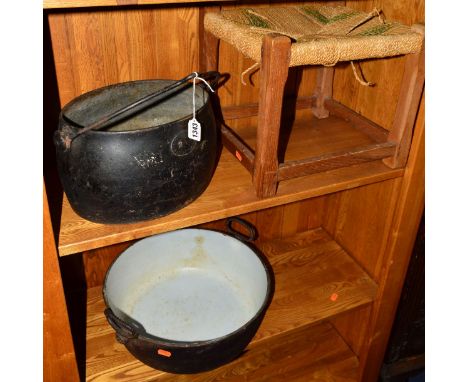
(333, 305)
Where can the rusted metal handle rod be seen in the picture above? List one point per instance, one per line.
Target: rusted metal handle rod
(133, 107)
(142, 103)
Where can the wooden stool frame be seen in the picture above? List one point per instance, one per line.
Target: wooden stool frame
(390, 146)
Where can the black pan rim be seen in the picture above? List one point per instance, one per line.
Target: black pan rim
(90, 93)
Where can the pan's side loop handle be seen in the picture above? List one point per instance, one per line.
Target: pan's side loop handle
(63, 137)
(123, 331)
(252, 230)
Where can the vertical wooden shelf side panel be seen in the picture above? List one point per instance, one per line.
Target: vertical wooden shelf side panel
(398, 249)
(352, 217)
(59, 355)
(375, 211)
(378, 104)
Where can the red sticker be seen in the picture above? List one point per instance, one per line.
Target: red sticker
(334, 297)
(164, 353)
(238, 156)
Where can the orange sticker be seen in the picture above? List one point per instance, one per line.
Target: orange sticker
(164, 353)
(238, 156)
(334, 297)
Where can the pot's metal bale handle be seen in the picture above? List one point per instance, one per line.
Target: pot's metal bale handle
(207, 76)
(123, 331)
(252, 230)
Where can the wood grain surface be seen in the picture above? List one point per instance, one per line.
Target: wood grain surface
(314, 354)
(230, 192)
(276, 53)
(408, 106)
(378, 206)
(238, 148)
(78, 234)
(323, 91)
(373, 222)
(360, 220)
(408, 212)
(371, 129)
(310, 268)
(59, 363)
(95, 48)
(330, 161)
(377, 103)
(276, 222)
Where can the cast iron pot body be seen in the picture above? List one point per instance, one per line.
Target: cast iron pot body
(235, 264)
(144, 166)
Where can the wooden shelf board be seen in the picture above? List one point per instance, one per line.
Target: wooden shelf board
(312, 137)
(59, 4)
(231, 192)
(293, 341)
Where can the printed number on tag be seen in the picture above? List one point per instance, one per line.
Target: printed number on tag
(194, 130)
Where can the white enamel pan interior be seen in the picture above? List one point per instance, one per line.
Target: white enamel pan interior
(187, 285)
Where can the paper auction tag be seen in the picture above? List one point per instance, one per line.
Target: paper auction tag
(194, 127)
(194, 130)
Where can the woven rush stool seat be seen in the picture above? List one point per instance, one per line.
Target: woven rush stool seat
(322, 35)
(280, 37)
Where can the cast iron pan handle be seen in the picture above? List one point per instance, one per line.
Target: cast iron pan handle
(123, 331)
(252, 230)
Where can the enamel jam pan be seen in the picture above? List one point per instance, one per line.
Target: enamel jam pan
(189, 300)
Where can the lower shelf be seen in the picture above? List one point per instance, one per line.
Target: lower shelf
(315, 279)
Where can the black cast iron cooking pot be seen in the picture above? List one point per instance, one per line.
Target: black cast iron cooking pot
(141, 167)
(187, 301)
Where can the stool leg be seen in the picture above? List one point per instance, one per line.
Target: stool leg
(324, 87)
(276, 54)
(323, 90)
(407, 109)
